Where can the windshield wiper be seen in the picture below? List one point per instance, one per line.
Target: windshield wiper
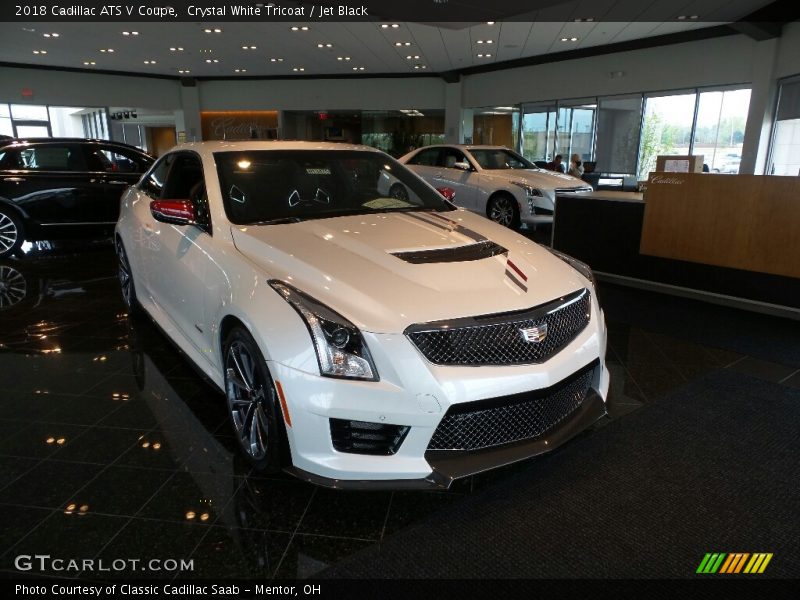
(278, 221)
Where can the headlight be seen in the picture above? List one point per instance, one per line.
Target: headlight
(341, 350)
(530, 191)
(580, 267)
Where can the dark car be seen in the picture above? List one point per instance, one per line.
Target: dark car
(63, 188)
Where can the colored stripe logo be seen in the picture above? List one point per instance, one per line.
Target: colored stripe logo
(734, 562)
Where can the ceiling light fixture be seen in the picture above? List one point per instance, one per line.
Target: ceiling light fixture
(149, 62)
(47, 35)
(412, 57)
(358, 68)
(40, 51)
(400, 44)
(240, 70)
(584, 19)
(248, 47)
(212, 60)
(176, 49)
(106, 50)
(342, 58)
(214, 30)
(301, 28)
(130, 33)
(183, 71)
(89, 63)
(298, 69)
(490, 22)
(275, 60)
(572, 39)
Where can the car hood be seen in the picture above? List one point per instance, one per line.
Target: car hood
(349, 264)
(547, 180)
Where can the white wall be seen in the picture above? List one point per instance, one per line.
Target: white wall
(788, 62)
(323, 94)
(66, 88)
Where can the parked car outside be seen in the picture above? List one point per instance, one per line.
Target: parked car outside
(55, 188)
(494, 181)
(360, 339)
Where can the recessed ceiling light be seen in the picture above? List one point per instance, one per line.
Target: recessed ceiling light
(182, 71)
(358, 68)
(40, 51)
(571, 39)
(149, 62)
(412, 57)
(324, 45)
(248, 47)
(485, 42)
(388, 25)
(490, 22)
(176, 49)
(296, 69)
(342, 58)
(106, 50)
(48, 35)
(584, 19)
(212, 60)
(130, 33)
(214, 30)
(399, 44)
(240, 70)
(276, 60)
(301, 28)
(89, 63)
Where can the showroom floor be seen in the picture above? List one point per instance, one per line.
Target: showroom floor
(112, 447)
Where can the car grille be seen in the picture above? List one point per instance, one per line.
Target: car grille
(361, 437)
(501, 339)
(583, 188)
(526, 416)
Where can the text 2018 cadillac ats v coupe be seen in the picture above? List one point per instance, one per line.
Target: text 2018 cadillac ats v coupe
(360, 339)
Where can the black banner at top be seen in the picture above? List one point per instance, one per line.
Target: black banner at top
(434, 11)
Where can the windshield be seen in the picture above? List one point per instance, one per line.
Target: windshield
(500, 158)
(279, 186)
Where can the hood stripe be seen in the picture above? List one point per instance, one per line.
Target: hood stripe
(517, 269)
(519, 284)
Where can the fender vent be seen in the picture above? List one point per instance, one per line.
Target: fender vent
(362, 437)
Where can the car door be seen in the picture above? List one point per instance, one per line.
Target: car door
(180, 253)
(460, 180)
(425, 163)
(117, 168)
(50, 182)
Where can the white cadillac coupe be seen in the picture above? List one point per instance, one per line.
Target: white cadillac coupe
(493, 181)
(360, 339)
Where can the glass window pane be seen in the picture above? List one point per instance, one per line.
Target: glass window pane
(4, 111)
(667, 129)
(619, 120)
(538, 131)
(5, 127)
(719, 133)
(28, 112)
(32, 131)
(785, 151)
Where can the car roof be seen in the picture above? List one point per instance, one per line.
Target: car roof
(68, 140)
(466, 147)
(209, 147)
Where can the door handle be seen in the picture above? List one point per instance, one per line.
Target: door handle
(14, 179)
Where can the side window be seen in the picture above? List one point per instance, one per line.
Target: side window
(153, 182)
(10, 159)
(426, 158)
(451, 156)
(52, 158)
(117, 160)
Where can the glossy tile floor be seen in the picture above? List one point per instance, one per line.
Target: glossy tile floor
(112, 447)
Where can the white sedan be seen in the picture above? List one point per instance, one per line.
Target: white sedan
(494, 181)
(360, 338)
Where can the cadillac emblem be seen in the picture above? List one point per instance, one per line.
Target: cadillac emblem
(534, 335)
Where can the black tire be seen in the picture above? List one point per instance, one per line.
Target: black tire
(253, 404)
(398, 191)
(503, 210)
(12, 232)
(125, 276)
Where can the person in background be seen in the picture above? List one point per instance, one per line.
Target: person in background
(556, 164)
(576, 166)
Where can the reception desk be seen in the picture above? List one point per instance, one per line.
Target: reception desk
(705, 251)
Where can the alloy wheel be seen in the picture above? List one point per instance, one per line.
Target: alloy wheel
(124, 273)
(247, 395)
(13, 287)
(502, 211)
(9, 234)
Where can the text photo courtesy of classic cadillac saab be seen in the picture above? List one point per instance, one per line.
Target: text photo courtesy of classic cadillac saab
(494, 181)
(56, 188)
(360, 339)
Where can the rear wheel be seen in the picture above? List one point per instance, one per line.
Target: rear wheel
(503, 210)
(252, 402)
(12, 234)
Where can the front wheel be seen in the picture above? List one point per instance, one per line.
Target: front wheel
(252, 401)
(504, 211)
(125, 276)
(12, 234)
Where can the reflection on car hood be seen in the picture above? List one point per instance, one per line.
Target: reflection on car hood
(547, 180)
(349, 263)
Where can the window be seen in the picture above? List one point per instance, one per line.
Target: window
(153, 183)
(117, 160)
(500, 159)
(575, 130)
(426, 158)
(667, 128)
(450, 156)
(538, 131)
(719, 129)
(6, 128)
(52, 158)
(785, 149)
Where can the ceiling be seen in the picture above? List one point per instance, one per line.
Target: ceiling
(230, 49)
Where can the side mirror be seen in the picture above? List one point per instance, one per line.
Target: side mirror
(448, 193)
(174, 212)
(463, 165)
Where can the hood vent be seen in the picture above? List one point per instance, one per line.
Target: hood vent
(485, 249)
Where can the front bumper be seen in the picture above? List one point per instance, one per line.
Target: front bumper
(414, 393)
